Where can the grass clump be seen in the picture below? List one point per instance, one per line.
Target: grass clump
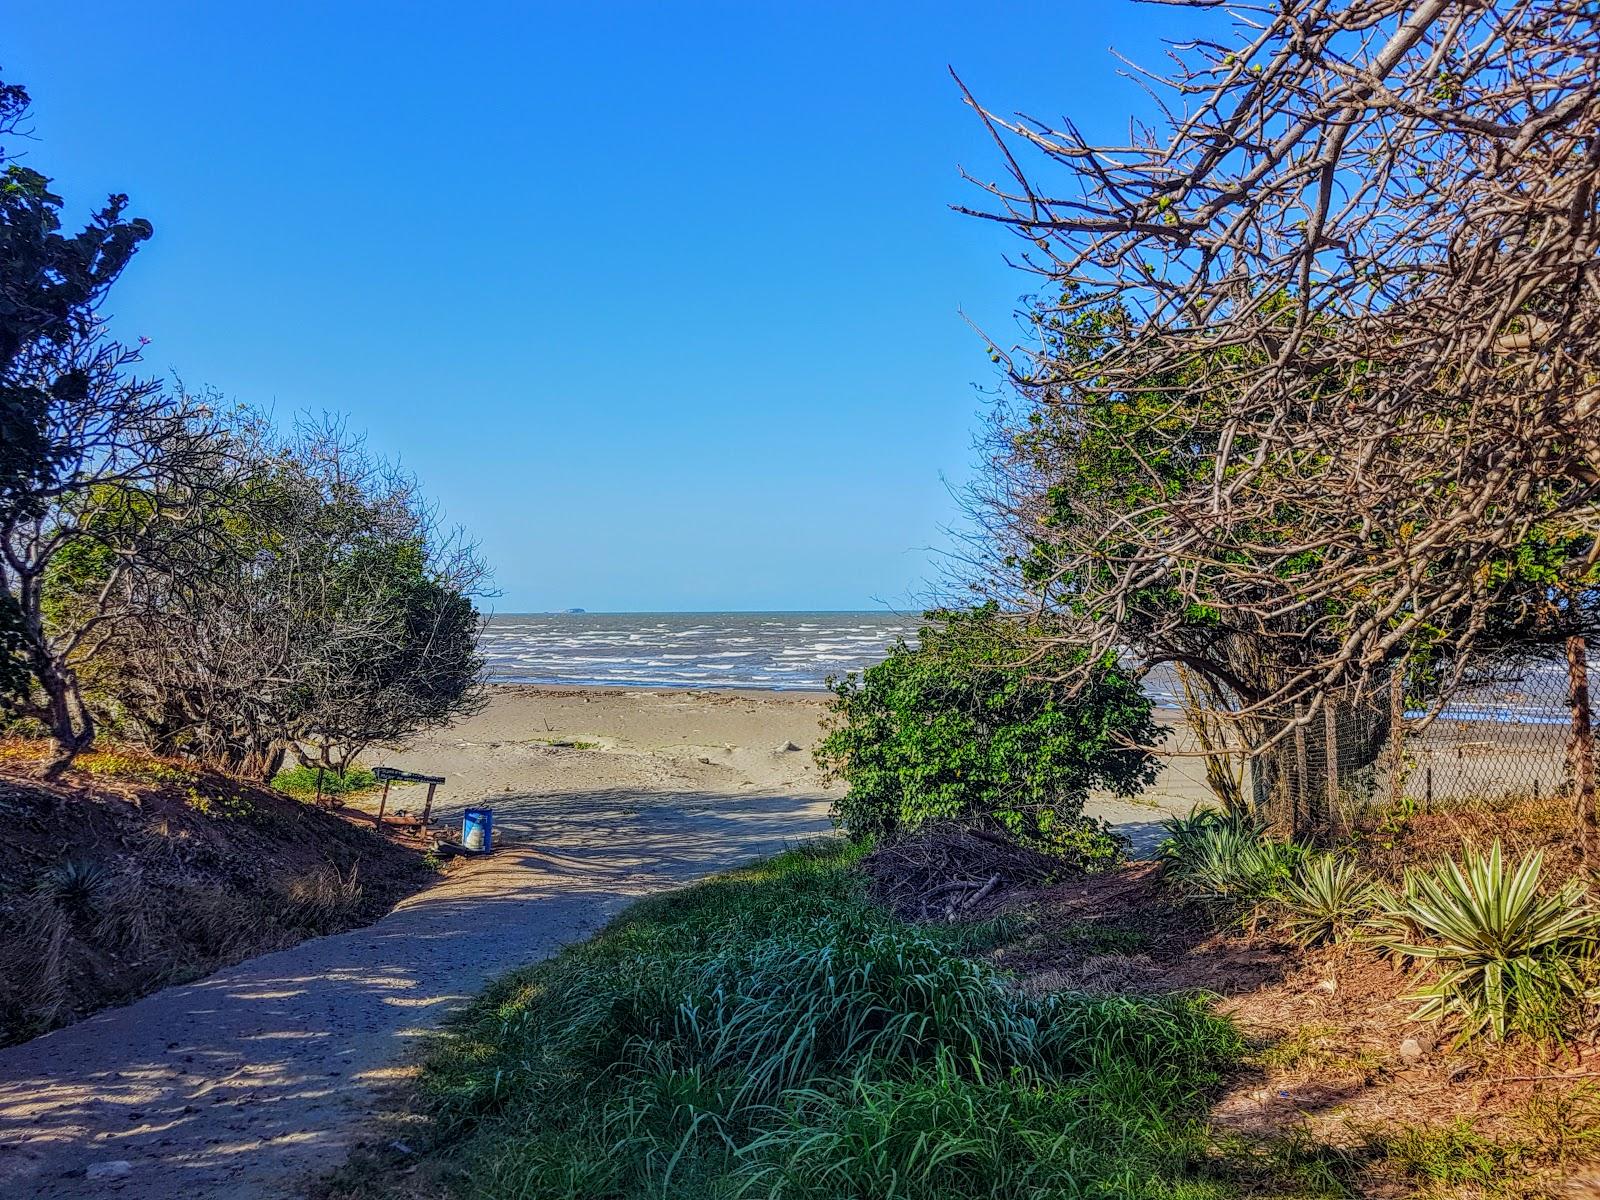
(771, 1032)
(322, 899)
(301, 781)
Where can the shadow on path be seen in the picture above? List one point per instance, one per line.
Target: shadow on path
(243, 1083)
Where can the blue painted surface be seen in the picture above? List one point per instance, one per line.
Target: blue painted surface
(477, 829)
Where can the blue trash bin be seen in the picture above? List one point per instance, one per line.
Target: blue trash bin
(477, 829)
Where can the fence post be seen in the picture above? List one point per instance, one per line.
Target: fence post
(1580, 749)
(1397, 734)
(1330, 725)
(1298, 797)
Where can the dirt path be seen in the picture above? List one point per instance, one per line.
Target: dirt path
(243, 1084)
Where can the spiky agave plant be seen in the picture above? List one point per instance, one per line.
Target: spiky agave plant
(76, 884)
(1390, 924)
(1326, 899)
(1228, 858)
(1509, 956)
(1186, 834)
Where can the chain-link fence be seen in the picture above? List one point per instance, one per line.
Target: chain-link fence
(1509, 739)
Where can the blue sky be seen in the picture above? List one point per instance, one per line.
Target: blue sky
(662, 301)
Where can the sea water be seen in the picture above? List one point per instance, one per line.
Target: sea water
(755, 650)
(799, 650)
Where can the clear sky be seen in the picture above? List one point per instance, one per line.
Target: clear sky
(662, 301)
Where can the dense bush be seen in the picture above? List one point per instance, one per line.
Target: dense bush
(772, 1033)
(961, 728)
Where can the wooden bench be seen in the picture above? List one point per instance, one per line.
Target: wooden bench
(391, 775)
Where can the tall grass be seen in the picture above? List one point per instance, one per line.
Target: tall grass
(772, 1033)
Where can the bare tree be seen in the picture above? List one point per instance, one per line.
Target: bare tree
(332, 612)
(110, 508)
(1329, 336)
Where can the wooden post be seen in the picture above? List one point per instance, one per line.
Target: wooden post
(1330, 737)
(1397, 734)
(1298, 796)
(319, 785)
(1427, 787)
(383, 803)
(427, 806)
(1580, 749)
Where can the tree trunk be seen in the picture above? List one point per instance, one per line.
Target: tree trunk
(65, 714)
(1580, 749)
(67, 717)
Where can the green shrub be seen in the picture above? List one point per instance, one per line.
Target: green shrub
(1327, 899)
(963, 728)
(1510, 958)
(301, 781)
(773, 1033)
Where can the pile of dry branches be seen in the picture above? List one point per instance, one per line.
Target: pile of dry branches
(949, 872)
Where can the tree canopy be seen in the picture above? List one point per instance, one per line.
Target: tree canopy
(1314, 380)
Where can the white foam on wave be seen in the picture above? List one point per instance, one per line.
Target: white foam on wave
(760, 650)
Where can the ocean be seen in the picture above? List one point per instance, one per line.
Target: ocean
(799, 650)
(788, 651)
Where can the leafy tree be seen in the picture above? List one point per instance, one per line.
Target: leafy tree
(315, 608)
(71, 422)
(969, 727)
(50, 286)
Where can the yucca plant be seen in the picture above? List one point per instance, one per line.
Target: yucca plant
(1390, 923)
(1326, 899)
(76, 884)
(1226, 857)
(1186, 834)
(1510, 957)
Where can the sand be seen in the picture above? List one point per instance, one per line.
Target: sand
(534, 751)
(533, 748)
(249, 1082)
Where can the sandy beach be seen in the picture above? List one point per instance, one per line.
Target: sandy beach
(533, 750)
(542, 755)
